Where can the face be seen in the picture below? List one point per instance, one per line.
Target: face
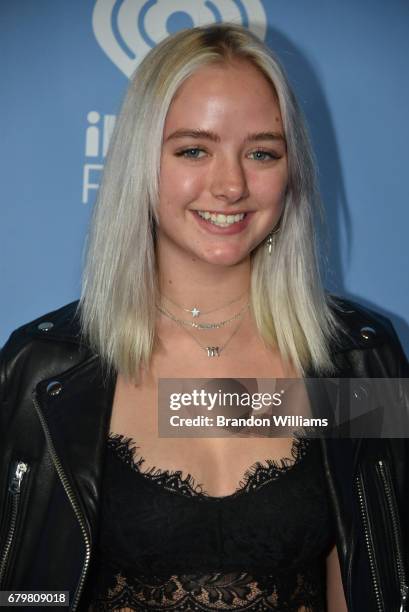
(223, 166)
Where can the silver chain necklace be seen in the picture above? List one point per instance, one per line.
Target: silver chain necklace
(196, 312)
(212, 351)
(201, 326)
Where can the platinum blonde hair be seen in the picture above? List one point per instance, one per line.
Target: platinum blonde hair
(119, 287)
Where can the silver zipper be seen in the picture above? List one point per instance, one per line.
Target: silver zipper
(73, 501)
(403, 586)
(364, 515)
(16, 479)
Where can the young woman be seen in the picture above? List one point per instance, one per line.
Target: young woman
(205, 217)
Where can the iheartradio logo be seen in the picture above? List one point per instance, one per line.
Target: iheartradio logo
(127, 29)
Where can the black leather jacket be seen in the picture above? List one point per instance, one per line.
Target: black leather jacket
(54, 419)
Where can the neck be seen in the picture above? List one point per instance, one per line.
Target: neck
(190, 282)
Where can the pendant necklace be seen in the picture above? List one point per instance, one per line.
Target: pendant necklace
(200, 326)
(196, 312)
(212, 351)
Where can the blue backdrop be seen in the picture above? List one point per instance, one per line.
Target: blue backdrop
(65, 69)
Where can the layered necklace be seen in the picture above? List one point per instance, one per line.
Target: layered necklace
(214, 350)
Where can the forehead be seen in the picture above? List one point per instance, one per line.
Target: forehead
(237, 90)
(242, 70)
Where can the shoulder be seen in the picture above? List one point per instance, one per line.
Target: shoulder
(363, 325)
(60, 325)
(63, 321)
(364, 329)
(49, 342)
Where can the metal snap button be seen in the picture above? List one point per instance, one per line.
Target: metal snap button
(54, 387)
(45, 326)
(367, 333)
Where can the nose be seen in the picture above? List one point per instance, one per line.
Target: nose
(228, 180)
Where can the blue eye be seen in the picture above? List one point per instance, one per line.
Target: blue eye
(195, 153)
(192, 153)
(261, 155)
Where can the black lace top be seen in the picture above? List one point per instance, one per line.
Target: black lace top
(165, 544)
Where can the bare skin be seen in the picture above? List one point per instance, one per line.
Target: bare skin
(217, 463)
(236, 164)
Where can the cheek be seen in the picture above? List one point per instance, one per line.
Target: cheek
(271, 194)
(178, 184)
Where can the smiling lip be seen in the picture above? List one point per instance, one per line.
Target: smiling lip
(234, 228)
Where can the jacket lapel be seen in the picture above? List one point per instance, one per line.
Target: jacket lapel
(77, 418)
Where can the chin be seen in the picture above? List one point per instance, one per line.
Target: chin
(225, 259)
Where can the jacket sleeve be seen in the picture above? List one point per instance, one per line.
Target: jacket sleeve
(2, 390)
(399, 447)
(2, 376)
(401, 361)
(4, 351)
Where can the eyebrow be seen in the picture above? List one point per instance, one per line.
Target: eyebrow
(209, 135)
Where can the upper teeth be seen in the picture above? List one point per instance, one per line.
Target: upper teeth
(221, 219)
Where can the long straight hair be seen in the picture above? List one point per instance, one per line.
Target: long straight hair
(119, 287)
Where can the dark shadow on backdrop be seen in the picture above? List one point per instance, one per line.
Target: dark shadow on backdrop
(306, 84)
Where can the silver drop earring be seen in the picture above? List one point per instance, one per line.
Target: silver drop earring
(271, 240)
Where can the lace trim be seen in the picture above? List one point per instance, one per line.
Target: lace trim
(301, 592)
(255, 477)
